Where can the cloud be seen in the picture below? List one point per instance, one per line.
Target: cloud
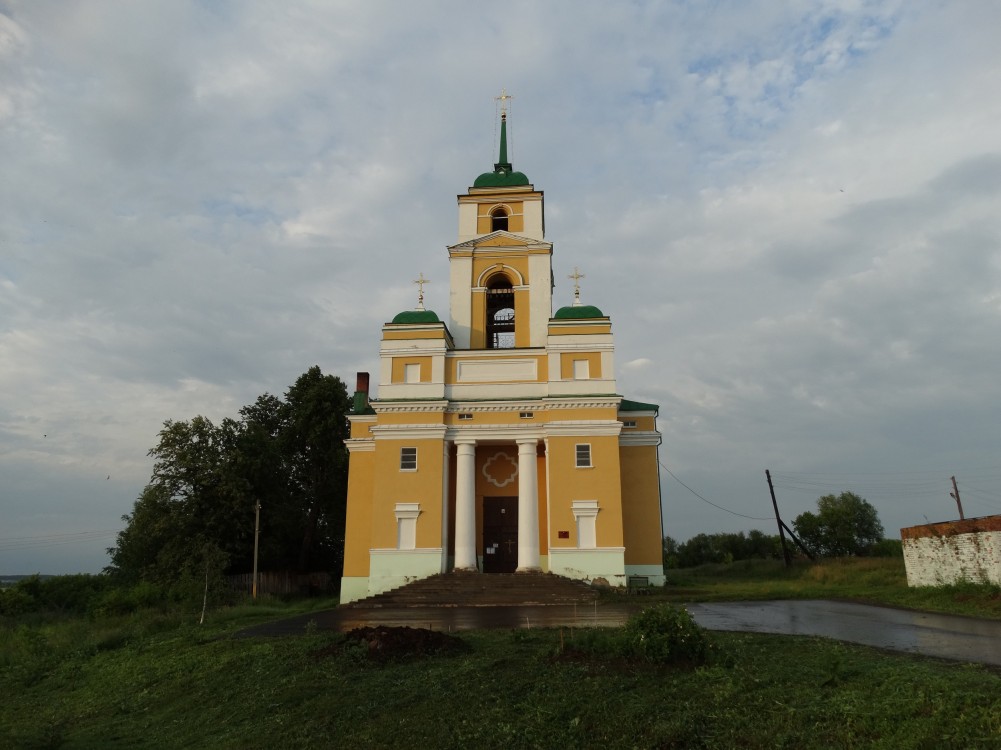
(788, 209)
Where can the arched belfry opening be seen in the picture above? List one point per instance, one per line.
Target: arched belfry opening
(500, 313)
(498, 219)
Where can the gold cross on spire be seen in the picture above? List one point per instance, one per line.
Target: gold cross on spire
(576, 276)
(420, 281)
(504, 96)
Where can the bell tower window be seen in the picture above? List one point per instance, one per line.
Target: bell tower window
(500, 313)
(498, 220)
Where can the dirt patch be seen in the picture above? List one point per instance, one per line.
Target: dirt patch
(384, 643)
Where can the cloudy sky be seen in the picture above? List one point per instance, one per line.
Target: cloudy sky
(790, 210)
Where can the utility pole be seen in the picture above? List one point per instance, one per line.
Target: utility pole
(955, 494)
(778, 520)
(257, 534)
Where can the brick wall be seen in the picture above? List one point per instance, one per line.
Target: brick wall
(942, 553)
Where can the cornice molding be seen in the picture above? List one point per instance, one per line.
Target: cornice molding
(409, 407)
(631, 437)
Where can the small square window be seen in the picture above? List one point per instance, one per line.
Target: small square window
(465, 416)
(408, 459)
(581, 369)
(412, 373)
(583, 455)
(527, 415)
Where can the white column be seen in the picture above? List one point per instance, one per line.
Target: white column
(465, 505)
(528, 506)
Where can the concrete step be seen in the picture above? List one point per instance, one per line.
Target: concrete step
(483, 590)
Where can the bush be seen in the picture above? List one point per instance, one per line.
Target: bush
(887, 548)
(123, 601)
(663, 634)
(16, 601)
(666, 633)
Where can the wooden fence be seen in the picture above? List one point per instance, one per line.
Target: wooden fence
(282, 582)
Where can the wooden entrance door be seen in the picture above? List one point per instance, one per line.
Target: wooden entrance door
(500, 534)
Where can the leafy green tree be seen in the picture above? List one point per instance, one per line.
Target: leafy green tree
(288, 454)
(844, 525)
(671, 547)
(313, 439)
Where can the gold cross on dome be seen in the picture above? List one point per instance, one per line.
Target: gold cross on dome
(504, 96)
(420, 281)
(576, 276)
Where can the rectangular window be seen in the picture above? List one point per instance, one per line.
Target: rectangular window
(465, 416)
(583, 455)
(527, 415)
(581, 369)
(412, 373)
(408, 459)
(629, 423)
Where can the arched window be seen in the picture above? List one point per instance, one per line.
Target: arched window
(498, 219)
(500, 314)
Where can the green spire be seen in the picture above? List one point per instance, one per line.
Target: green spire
(503, 174)
(502, 158)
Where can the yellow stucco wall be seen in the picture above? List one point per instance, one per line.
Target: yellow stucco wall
(412, 334)
(579, 330)
(642, 423)
(423, 486)
(412, 417)
(358, 521)
(641, 505)
(362, 427)
(601, 482)
(515, 219)
(567, 360)
(400, 364)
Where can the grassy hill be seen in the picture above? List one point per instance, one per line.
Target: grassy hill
(155, 679)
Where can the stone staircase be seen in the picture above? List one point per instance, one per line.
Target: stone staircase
(468, 589)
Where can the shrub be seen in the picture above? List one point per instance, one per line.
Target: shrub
(887, 548)
(666, 633)
(16, 601)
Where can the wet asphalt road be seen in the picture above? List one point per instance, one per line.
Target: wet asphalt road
(945, 636)
(952, 637)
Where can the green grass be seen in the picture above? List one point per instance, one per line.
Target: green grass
(158, 680)
(877, 580)
(171, 684)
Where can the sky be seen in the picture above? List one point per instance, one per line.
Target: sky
(789, 209)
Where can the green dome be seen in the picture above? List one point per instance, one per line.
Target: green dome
(578, 312)
(501, 177)
(417, 316)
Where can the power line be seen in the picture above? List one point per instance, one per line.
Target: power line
(10, 544)
(710, 502)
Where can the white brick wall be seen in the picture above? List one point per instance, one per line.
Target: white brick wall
(938, 559)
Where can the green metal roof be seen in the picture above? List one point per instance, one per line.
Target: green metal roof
(628, 405)
(417, 316)
(578, 312)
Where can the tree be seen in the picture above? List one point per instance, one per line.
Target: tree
(670, 552)
(844, 525)
(288, 454)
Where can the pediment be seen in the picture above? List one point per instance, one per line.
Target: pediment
(498, 239)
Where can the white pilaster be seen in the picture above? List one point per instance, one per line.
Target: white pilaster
(528, 506)
(445, 474)
(465, 505)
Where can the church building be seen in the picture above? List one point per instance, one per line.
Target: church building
(497, 442)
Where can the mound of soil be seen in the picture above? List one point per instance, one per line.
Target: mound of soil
(385, 643)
